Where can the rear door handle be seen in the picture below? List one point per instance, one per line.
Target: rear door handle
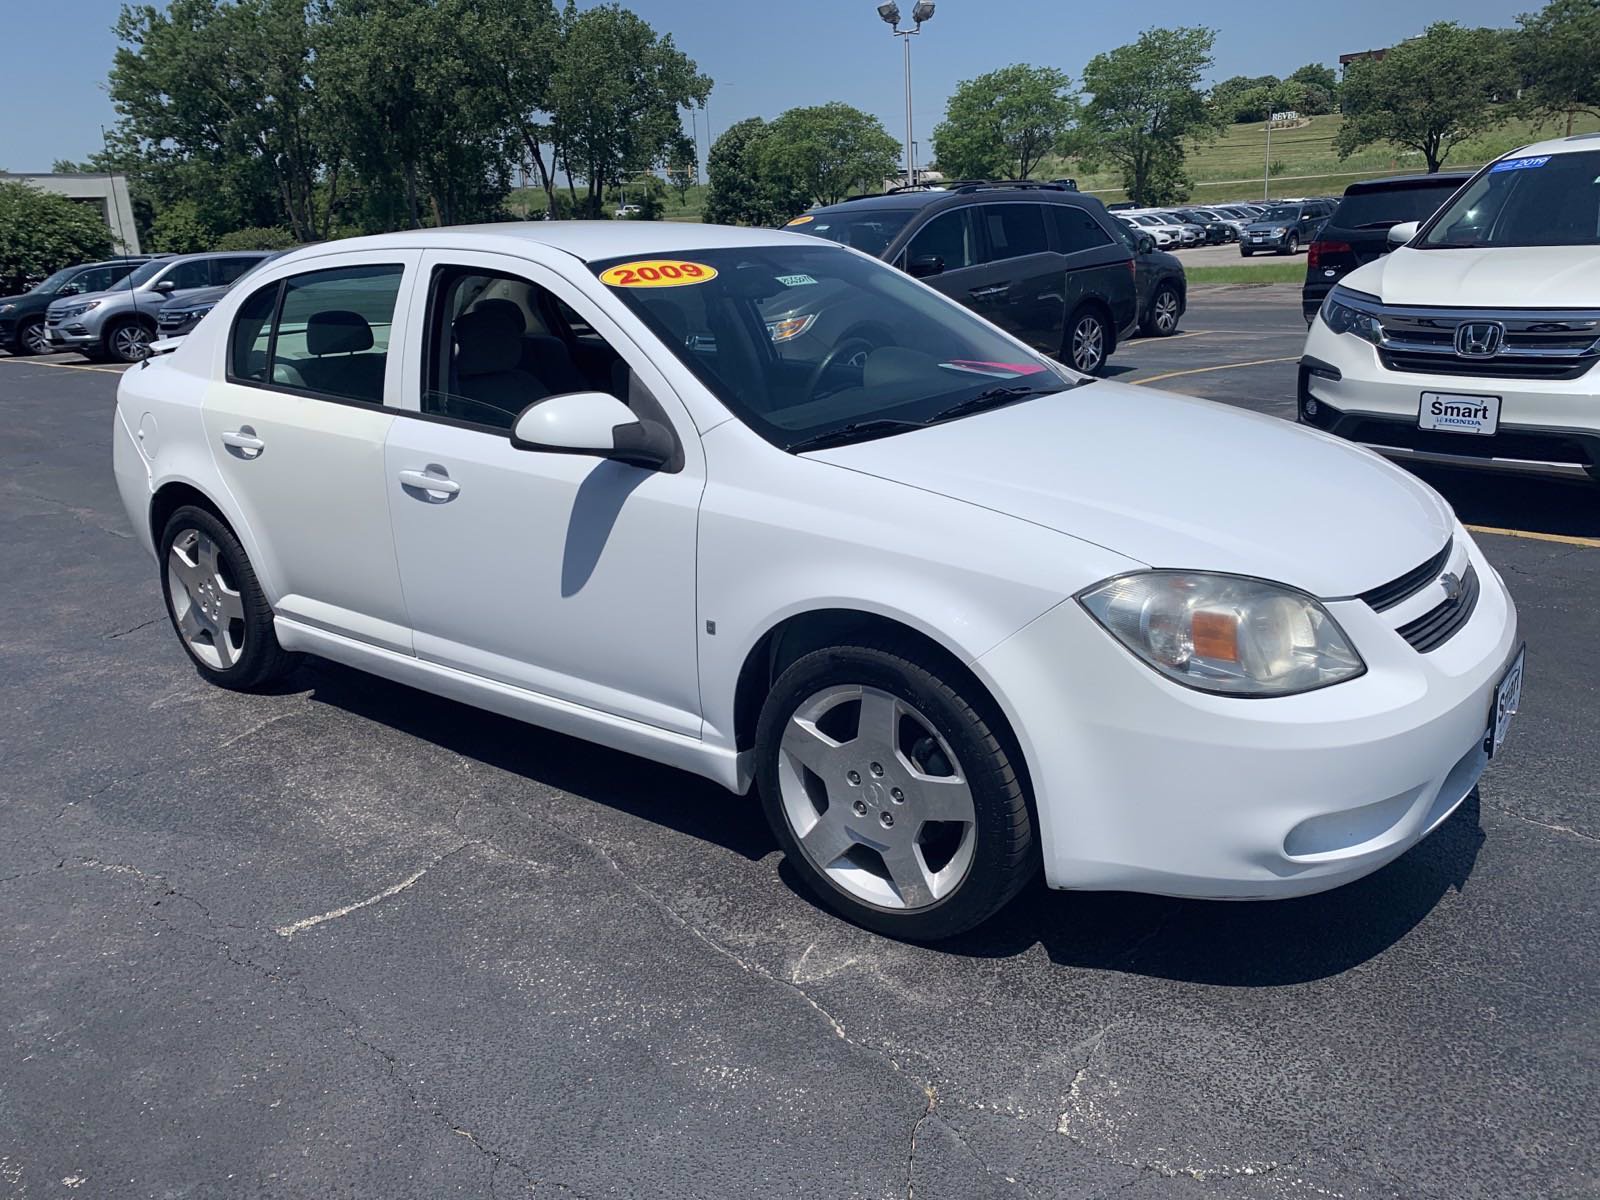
(243, 442)
(989, 292)
(435, 485)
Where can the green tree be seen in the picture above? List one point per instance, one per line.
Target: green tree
(1243, 98)
(1322, 88)
(682, 167)
(1428, 94)
(1000, 125)
(41, 232)
(1557, 52)
(615, 95)
(179, 229)
(824, 152)
(738, 192)
(271, 238)
(1147, 101)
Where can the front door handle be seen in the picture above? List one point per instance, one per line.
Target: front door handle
(243, 442)
(989, 293)
(434, 485)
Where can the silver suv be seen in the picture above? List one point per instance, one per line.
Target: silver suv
(120, 323)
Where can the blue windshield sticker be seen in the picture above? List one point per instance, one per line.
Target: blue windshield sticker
(1520, 164)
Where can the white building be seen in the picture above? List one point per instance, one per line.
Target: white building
(108, 194)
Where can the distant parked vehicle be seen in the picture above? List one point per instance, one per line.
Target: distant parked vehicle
(22, 328)
(1358, 231)
(627, 212)
(120, 323)
(1284, 228)
(1163, 236)
(1213, 229)
(177, 318)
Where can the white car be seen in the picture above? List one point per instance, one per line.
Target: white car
(1181, 235)
(955, 611)
(1476, 342)
(1163, 235)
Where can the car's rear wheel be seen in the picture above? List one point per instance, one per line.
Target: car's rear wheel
(1166, 307)
(32, 338)
(216, 604)
(890, 794)
(128, 341)
(1088, 341)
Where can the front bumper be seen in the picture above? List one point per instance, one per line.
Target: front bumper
(72, 335)
(1144, 785)
(1548, 427)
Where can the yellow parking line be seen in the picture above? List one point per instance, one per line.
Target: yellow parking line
(1564, 539)
(29, 362)
(1259, 362)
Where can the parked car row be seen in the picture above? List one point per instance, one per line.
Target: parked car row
(22, 317)
(1042, 261)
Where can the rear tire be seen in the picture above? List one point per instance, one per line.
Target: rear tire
(1088, 341)
(890, 793)
(216, 604)
(32, 338)
(1166, 308)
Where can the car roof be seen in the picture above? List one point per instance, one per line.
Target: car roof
(1575, 144)
(999, 190)
(586, 240)
(1397, 183)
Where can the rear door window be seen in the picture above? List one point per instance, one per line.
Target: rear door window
(1014, 230)
(196, 273)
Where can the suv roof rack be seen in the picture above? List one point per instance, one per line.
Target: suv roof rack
(979, 185)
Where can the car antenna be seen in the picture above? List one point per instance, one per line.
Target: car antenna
(116, 214)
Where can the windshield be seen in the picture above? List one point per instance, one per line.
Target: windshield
(1547, 200)
(869, 230)
(1380, 209)
(146, 272)
(799, 342)
(1280, 212)
(52, 284)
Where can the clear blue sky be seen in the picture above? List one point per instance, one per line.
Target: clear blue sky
(766, 58)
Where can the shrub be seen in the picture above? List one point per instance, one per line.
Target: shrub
(41, 232)
(257, 237)
(178, 229)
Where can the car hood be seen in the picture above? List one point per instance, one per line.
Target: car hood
(14, 299)
(1177, 482)
(69, 301)
(198, 297)
(1501, 277)
(1266, 225)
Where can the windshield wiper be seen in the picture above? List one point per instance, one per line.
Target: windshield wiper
(995, 397)
(856, 431)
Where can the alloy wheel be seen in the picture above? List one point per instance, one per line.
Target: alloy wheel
(1088, 344)
(206, 603)
(35, 338)
(130, 343)
(1166, 314)
(876, 798)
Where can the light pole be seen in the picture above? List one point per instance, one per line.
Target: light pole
(921, 12)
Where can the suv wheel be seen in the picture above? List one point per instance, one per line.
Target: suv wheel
(128, 341)
(1165, 309)
(32, 338)
(890, 794)
(1292, 246)
(1088, 341)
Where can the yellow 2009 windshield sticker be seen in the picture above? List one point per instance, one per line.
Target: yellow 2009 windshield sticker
(657, 272)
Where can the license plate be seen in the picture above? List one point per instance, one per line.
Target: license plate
(1448, 412)
(1506, 699)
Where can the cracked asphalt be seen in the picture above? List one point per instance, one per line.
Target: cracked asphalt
(351, 940)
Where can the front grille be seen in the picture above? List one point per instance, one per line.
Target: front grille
(1436, 627)
(1534, 345)
(1447, 363)
(1397, 591)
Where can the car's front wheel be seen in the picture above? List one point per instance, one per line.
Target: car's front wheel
(891, 794)
(1245, 252)
(1088, 341)
(1292, 246)
(128, 341)
(32, 338)
(216, 605)
(1166, 307)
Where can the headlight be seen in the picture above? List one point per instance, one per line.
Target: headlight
(5, 308)
(790, 327)
(1227, 634)
(1343, 317)
(1279, 232)
(194, 314)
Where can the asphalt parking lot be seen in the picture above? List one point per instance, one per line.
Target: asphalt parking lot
(353, 940)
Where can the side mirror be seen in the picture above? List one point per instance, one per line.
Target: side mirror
(166, 286)
(924, 265)
(1402, 233)
(596, 424)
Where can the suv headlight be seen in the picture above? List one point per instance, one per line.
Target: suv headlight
(1227, 634)
(1279, 231)
(1341, 316)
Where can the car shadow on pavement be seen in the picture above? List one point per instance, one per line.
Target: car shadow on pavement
(671, 798)
(1504, 501)
(1262, 944)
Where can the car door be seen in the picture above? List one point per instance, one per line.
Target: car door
(297, 430)
(1022, 278)
(947, 255)
(186, 277)
(567, 575)
(1097, 266)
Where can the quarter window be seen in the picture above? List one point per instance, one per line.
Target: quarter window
(226, 270)
(1076, 229)
(325, 333)
(949, 237)
(1015, 230)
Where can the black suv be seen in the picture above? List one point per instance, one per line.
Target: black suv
(1284, 227)
(22, 317)
(1043, 263)
(1358, 231)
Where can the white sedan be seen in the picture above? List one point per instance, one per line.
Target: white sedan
(766, 509)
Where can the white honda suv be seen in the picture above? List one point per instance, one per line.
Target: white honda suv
(763, 508)
(1477, 341)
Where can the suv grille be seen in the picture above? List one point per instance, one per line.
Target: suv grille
(1397, 591)
(1436, 627)
(1533, 345)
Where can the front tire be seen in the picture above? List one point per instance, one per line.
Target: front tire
(216, 604)
(1166, 308)
(1243, 253)
(32, 338)
(1292, 246)
(1088, 341)
(127, 342)
(890, 793)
